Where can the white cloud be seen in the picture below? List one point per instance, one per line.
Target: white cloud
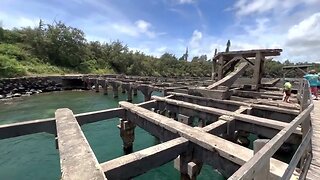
(11, 21)
(306, 30)
(186, 1)
(247, 7)
(303, 39)
(195, 39)
(144, 27)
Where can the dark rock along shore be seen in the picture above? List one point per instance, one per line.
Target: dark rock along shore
(16, 87)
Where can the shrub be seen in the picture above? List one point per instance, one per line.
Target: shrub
(9, 67)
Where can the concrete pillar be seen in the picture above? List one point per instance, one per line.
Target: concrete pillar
(146, 91)
(135, 91)
(189, 170)
(264, 173)
(115, 90)
(127, 135)
(105, 88)
(202, 122)
(147, 97)
(97, 85)
(129, 93)
(184, 119)
(123, 89)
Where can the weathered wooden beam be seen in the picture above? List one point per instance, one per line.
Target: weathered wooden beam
(188, 98)
(242, 117)
(248, 170)
(297, 155)
(230, 78)
(263, 174)
(250, 53)
(128, 166)
(77, 159)
(226, 149)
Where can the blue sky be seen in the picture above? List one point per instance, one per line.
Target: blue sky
(158, 26)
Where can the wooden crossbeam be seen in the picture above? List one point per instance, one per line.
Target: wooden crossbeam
(236, 103)
(242, 117)
(77, 159)
(134, 164)
(250, 53)
(248, 170)
(226, 149)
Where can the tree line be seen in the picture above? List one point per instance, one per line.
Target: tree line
(58, 48)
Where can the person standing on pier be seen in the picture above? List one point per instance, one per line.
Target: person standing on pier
(313, 79)
(287, 91)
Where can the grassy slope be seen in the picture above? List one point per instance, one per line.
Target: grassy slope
(15, 61)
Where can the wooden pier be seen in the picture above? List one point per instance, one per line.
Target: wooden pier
(314, 170)
(194, 128)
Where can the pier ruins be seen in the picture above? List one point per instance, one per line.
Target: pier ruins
(198, 121)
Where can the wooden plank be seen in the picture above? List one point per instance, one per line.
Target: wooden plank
(314, 171)
(250, 53)
(248, 170)
(140, 162)
(77, 159)
(226, 149)
(230, 78)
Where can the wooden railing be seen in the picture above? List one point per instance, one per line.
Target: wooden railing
(254, 168)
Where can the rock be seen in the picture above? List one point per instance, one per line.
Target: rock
(8, 96)
(33, 91)
(16, 95)
(1, 96)
(28, 93)
(39, 91)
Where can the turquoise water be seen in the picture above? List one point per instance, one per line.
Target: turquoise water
(35, 157)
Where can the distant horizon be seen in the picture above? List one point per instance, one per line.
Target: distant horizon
(158, 26)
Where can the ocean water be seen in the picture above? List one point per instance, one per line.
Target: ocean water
(34, 156)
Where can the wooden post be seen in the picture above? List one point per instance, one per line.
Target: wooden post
(257, 74)
(305, 125)
(220, 67)
(265, 171)
(213, 73)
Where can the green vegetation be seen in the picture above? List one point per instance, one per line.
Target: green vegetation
(58, 49)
